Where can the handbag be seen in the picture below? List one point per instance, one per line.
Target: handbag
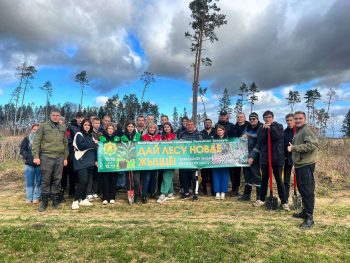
(78, 154)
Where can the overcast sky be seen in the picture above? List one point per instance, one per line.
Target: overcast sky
(280, 45)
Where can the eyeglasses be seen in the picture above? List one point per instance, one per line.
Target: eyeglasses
(252, 119)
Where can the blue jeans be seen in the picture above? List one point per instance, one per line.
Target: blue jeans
(121, 180)
(220, 180)
(33, 182)
(149, 181)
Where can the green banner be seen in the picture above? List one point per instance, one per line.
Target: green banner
(127, 156)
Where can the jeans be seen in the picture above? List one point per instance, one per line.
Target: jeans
(149, 182)
(33, 182)
(220, 180)
(121, 180)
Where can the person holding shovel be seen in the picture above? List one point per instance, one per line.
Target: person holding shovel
(131, 135)
(304, 150)
(275, 131)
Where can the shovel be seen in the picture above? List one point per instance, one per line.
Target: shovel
(271, 201)
(131, 193)
(296, 196)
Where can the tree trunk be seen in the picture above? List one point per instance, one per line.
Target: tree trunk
(23, 96)
(81, 97)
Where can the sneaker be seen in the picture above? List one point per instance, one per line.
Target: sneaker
(90, 197)
(85, 202)
(162, 198)
(222, 196)
(285, 207)
(95, 196)
(105, 202)
(75, 205)
(112, 201)
(28, 202)
(35, 202)
(217, 196)
(185, 196)
(195, 198)
(258, 203)
(171, 197)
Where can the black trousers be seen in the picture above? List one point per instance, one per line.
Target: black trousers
(235, 177)
(286, 179)
(64, 180)
(188, 176)
(109, 185)
(93, 184)
(207, 177)
(84, 176)
(277, 173)
(72, 176)
(306, 186)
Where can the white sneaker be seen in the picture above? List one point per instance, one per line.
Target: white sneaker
(95, 196)
(85, 202)
(258, 203)
(162, 198)
(112, 201)
(75, 205)
(222, 196)
(105, 202)
(90, 197)
(285, 207)
(171, 197)
(217, 196)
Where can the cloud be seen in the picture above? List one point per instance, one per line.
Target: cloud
(100, 100)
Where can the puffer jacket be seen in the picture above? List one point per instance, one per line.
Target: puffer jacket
(26, 152)
(85, 141)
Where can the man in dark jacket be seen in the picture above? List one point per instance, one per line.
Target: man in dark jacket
(277, 146)
(183, 127)
(288, 162)
(236, 132)
(207, 133)
(50, 151)
(73, 128)
(252, 175)
(304, 152)
(188, 175)
(224, 121)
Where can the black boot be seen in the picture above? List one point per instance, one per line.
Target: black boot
(246, 193)
(308, 222)
(144, 199)
(56, 201)
(62, 200)
(302, 215)
(44, 202)
(235, 191)
(258, 191)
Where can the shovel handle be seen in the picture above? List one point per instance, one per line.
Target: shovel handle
(269, 155)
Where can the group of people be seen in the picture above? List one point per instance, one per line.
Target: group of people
(56, 156)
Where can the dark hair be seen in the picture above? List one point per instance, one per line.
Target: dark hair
(171, 127)
(106, 115)
(79, 114)
(289, 115)
(55, 110)
(184, 118)
(128, 123)
(166, 116)
(207, 119)
(268, 112)
(82, 125)
(300, 112)
(95, 119)
(140, 116)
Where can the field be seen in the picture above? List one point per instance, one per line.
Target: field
(179, 231)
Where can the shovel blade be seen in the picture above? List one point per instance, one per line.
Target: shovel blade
(297, 204)
(131, 196)
(271, 203)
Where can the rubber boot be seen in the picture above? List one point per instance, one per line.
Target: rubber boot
(44, 202)
(246, 193)
(56, 201)
(308, 222)
(302, 215)
(258, 191)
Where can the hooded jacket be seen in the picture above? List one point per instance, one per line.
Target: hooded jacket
(84, 141)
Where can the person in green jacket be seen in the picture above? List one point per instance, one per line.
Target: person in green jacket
(130, 135)
(304, 151)
(50, 151)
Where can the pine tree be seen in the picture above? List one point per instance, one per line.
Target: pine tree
(175, 119)
(293, 98)
(243, 91)
(253, 90)
(346, 125)
(81, 78)
(225, 103)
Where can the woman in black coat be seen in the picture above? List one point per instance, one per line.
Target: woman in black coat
(85, 145)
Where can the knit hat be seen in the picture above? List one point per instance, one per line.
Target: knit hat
(254, 115)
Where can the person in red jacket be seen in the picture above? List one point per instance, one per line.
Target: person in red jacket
(149, 178)
(167, 186)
